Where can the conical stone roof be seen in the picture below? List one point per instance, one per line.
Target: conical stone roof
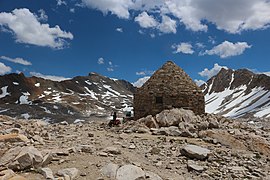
(172, 78)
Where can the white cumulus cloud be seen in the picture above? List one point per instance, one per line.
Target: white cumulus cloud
(17, 60)
(27, 29)
(50, 77)
(208, 73)
(61, 2)
(228, 15)
(111, 66)
(200, 45)
(43, 16)
(199, 82)
(119, 30)
(118, 7)
(146, 21)
(228, 49)
(144, 72)
(185, 48)
(141, 81)
(167, 25)
(4, 69)
(101, 60)
(187, 13)
(72, 10)
(110, 69)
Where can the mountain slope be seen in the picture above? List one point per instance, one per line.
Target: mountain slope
(81, 96)
(239, 93)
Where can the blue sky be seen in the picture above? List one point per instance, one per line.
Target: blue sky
(130, 39)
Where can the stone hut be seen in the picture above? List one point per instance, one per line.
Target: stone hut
(169, 87)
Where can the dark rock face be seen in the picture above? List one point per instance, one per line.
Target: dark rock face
(239, 93)
(169, 87)
(81, 96)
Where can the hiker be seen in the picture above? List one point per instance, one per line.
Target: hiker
(114, 121)
(114, 116)
(128, 114)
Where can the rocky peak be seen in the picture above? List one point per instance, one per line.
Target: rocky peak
(238, 93)
(228, 78)
(220, 81)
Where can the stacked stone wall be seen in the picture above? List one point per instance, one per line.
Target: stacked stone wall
(170, 87)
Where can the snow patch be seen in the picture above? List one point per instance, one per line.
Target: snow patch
(41, 96)
(70, 112)
(24, 98)
(37, 84)
(78, 121)
(4, 110)
(75, 103)
(263, 112)
(100, 108)
(114, 79)
(25, 116)
(16, 83)
(108, 94)
(91, 93)
(57, 98)
(111, 90)
(4, 92)
(88, 82)
(46, 110)
(231, 80)
(47, 92)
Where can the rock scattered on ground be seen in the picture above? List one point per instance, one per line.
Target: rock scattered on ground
(185, 146)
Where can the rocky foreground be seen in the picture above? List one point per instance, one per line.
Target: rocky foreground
(173, 145)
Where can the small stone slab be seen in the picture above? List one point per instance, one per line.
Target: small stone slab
(29, 157)
(112, 150)
(132, 146)
(195, 152)
(103, 154)
(13, 138)
(47, 173)
(72, 173)
(129, 172)
(192, 166)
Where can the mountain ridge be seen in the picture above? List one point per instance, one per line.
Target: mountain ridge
(238, 93)
(80, 96)
(230, 93)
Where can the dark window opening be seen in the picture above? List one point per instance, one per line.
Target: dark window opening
(159, 100)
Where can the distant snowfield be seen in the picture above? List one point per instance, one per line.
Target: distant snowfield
(236, 103)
